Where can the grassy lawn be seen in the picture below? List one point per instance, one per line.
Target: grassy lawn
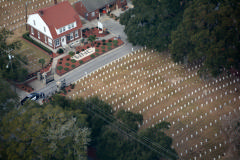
(151, 84)
(32, 54)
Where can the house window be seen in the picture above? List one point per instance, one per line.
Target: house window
(69, 27)
(49, 42)
(39, 35)
(93, 14)
(71, 36)
(57, 42)
(45, 39)
(72, 25)
(76, 33)
(44, 29)
(60, 30)
(64, 29)
(34, 22)
(86, 14)
(32, 31)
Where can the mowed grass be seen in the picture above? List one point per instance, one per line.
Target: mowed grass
(151, 84)
(32, 54)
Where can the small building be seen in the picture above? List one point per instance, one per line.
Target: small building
(55, 26)
(91, 9)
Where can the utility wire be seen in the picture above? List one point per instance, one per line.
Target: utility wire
(131, 132)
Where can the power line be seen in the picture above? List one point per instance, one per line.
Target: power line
(130, 132)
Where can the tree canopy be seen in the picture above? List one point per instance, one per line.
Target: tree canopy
(150, 22)
(8, 99)
(10, 67)
(44, 132)
(193, 30)
(209, 30)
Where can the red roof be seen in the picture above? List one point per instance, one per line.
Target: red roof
(58, 16)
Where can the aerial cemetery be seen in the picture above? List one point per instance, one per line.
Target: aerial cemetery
(201, 112)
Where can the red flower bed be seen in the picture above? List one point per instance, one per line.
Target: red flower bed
(94, 31)
(101, 47)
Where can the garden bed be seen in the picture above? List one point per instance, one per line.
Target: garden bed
(67, 64)
(94, 31)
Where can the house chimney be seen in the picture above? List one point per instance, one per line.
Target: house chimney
(41, 12)
(55, 1)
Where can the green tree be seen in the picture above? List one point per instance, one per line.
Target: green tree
(13, 71)
(132, 120)
(150, 22)
(8, 98)
(44, 132)
(42, 61)
(209, 31)
(92, 38)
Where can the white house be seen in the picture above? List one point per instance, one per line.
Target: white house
(55, 26)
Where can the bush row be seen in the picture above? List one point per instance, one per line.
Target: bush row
(27, 37)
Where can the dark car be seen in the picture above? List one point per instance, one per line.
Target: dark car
(33, 97)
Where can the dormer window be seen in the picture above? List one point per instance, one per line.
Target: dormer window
(34, 22)
(69, 26)
(64, 29)
(60, 30)
(72, 25)
(44, 29)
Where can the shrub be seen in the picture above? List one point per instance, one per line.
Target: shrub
(68, 59)
(97, 54)
(92, 55)
(109, 40)
(97, 50)
(73, 66)
(60, 63)
(87, 46)
(73, 60)
(109, 48)
(71, 53)
(103, 40)
(104, 43)
(27, 37)
(103, 50)
(103, 47)
(115, 42)
(67, 64)
(61, 59)
(72, 86)
(66, 69)
(81, 62)
(60, 51)
(98, 43)
(82, 49)
(77, 52)
(109, 44)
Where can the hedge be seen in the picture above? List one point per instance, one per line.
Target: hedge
(27, 37)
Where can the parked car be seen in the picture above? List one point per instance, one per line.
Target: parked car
(33, 96)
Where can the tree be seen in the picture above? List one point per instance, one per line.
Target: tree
(150, 22)
(42, 61)
(44, 132)
(92, 38)
(8, 98)
(14, 70)
(209, 31)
